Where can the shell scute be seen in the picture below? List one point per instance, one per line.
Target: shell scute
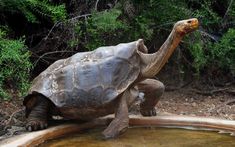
(124, 50)
(87, 75)
(64, 78)
(80, 98)
(104, 52)
(109, 94)
(121, 74)
(113, 70)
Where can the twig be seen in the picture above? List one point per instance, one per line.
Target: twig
(229, 102)
(37, 56)
(231, 92)
(59, 23)
(209, 92)
(171, 88)
(219, 107)
(76, 17)
(228, 24)
(213, 37)
(12, 115)
(54, 52)
(55, 25)
(96, 5)
(71, 19)
(229, 6)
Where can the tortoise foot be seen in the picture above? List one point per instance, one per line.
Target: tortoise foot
(148, 112)
(35, 125)
(115, 128)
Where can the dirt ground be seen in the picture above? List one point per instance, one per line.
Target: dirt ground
(185, 101)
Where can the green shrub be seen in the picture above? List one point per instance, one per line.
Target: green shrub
(199, 57)
(209, 19)
(15, 66)
(104, 28)
(222, 53)
(33, 9)
(210, 53)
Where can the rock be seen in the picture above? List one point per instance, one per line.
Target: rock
(15, 130)
(186, 104)
(194, 104)
(222, 100)
(183, 113)
(232, 116)
(2, 132)
(209, 97)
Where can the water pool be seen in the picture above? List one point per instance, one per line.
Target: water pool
(146, 137)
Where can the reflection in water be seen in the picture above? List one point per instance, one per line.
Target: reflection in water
(149, 137)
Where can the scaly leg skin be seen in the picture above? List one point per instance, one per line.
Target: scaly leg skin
(153, 90)
(121, 121)
(37, 118)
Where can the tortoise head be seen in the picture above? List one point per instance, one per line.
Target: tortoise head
(184, 27)
(154, 62)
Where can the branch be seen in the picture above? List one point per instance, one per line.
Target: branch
(49, 53)
(229, 102)
(7, 122)
(71, 19)
(55, 25)
(213, 37)
(231, 92)
(229, 6)
(171, 88)
(209, 92)
(96, 4)
(80, 16)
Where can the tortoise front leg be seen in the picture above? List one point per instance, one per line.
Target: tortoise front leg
(121, 121)
(153, 90)
(37, 117)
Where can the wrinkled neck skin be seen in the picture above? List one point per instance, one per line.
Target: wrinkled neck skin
(153, 63)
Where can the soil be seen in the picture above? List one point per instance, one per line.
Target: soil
(184, 101)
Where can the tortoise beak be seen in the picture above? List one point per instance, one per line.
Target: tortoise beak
(194, 23)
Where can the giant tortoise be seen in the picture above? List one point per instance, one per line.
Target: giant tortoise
(104, 81)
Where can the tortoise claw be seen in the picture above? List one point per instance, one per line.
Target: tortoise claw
(36, 125)
(148, 112)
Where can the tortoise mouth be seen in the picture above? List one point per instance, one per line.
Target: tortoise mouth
(187, 26)
(194, 24)
(191, 25)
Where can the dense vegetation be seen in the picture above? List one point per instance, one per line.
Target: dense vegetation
(35, 33)
(14, 54)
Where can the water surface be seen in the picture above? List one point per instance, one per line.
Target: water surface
(146, 137)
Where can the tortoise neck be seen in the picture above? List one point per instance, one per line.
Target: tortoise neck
(154, 62)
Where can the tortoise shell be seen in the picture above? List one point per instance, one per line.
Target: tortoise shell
(89, 79)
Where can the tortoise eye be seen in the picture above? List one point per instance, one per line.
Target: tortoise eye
(189, 21)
